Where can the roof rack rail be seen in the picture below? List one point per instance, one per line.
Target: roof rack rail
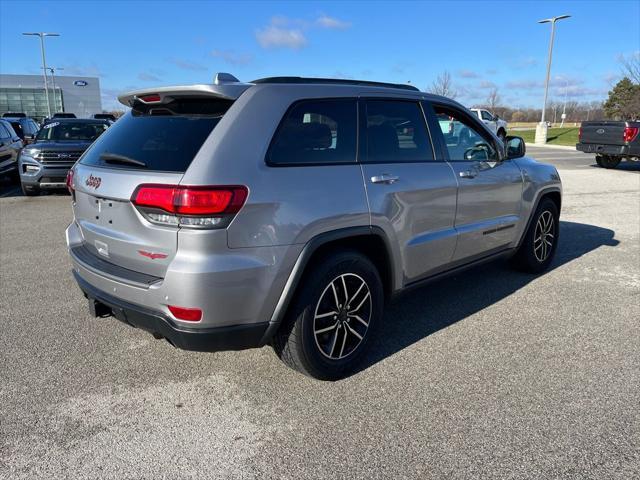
(335, 81)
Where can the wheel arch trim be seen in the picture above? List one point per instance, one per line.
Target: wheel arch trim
(539, 196)
(310, 248)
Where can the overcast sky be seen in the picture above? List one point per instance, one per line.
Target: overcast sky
(483, 45)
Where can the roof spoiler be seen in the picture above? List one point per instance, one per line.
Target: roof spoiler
(224, 86)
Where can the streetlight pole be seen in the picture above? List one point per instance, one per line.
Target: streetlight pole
(44, 63)
(53, 81)
(541, 130)
(564, 106)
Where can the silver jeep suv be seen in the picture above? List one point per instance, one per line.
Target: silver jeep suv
(286, 211)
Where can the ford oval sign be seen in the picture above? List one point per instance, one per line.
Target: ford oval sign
(80, 83)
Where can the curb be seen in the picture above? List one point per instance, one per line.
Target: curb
(546, 145)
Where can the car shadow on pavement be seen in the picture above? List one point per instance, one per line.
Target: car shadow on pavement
(624, 166)
(423, 311)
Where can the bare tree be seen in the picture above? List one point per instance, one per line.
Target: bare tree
(443, 85)
(493, 100)
(631, 66)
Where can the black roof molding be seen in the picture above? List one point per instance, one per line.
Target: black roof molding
(334, 81)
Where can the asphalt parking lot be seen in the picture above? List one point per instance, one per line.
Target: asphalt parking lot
(489, 374)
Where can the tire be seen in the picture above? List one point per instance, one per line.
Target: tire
(502, 135)
(535, 254)
(321, 338)
(29, 190)
(607, 161)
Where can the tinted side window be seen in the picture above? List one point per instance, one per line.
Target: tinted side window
(486, 115)
(464, 140)
(18, 129)
(34, 127)
(396, 132)
(316, 132)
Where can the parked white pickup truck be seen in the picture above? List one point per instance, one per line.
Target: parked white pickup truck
(494, 122)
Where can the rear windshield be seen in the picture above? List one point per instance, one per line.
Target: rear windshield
(71, 131)
(165, 143)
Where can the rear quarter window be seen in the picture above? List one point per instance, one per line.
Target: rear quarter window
(316, 132)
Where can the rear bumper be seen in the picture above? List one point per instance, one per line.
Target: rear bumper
(619, 150)
(237, 290)
(235, 337)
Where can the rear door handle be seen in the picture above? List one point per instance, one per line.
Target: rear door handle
(385, 178)
(468, 174)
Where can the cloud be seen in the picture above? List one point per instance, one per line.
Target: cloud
(576, 91)
(187, 65)
(275, 36)
(487, 85)
(284, 32)
(325, 21)
(148, 77)
(468, 74)
(524, 84)
(491, 71)
(231, 57)
(556, 81)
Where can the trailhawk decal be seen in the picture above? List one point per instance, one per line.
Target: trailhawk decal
(93, 182)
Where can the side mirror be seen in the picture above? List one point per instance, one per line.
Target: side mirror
(514, 147)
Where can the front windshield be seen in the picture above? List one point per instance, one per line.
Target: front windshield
(71, 131)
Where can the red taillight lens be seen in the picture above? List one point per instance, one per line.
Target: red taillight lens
(187, 204)
(152, 98)
(155, 197)
(580, 134)
(630, 133)
(70, 181)
(202, 202)
(188, 314)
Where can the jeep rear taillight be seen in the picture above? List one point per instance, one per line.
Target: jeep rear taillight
(580, 135)
(70, 181)
(629, 134)
(190, 206)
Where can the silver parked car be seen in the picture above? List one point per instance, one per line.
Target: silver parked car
(286, 211)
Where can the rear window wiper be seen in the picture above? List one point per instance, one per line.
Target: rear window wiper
(115, 158)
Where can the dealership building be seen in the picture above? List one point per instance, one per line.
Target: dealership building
(26, 93)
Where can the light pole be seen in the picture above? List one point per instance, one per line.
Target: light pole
(564, 106)
(53, 82)
(44, 63)
(541, 130)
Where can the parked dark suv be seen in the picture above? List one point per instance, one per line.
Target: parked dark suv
(26, 128)
(10, 145)
(59, 143)
(286, 211)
